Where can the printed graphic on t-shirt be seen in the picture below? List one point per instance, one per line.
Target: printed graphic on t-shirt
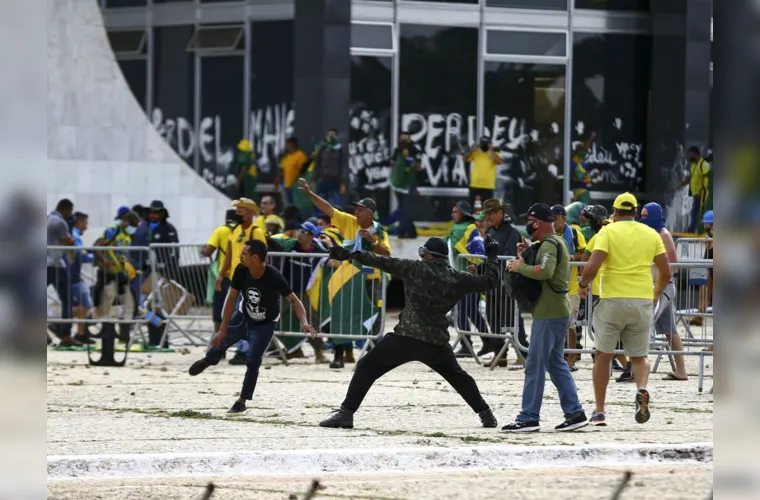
(252, 305)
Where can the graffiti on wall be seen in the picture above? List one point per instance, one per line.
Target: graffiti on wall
(619, 167)
(268, 129)
(368, 151)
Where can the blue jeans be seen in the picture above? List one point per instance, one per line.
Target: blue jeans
(695, 213)
(59, 278)
(242, 344)
(258, 335)
(287, 193)
(547, 344)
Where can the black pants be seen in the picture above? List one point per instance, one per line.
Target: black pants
(395, 350)
(500, 312)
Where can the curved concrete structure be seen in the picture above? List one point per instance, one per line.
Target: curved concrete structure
(103, 151)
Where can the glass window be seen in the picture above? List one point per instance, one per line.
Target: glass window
(221, 121)
(370, 129)
(448, 1)
(125, 3)
(174, 89)
(531, 43)
(128, 42)
(173, 1)
(637, 5)
(438, 106)
(529, 4)
(611, 83)
(221, 1)
(135, 72)
(524, 117)
(372, 36)
(224, 38)
(272, 114)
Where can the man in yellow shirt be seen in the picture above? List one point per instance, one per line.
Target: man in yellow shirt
(483, 170)
(361, 233)
(219, 242)
(626, 249)
(291, 165)
(246, 209)
(697, 182)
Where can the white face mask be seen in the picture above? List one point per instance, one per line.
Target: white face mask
(131, 230)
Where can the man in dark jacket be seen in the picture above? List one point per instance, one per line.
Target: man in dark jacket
(162, 231)
(431, 289)
(500, 309)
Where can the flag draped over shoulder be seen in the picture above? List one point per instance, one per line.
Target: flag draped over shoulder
(351, 311)
(465, 239)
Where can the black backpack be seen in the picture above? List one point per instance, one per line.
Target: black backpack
(526, 291)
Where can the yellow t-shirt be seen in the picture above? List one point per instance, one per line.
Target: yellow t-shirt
(291, 165)
(581, 247)
(483, 170)
(220, 239)
(349, 227)
(237, 239)
(631, 248)
(596, 284)
(261, 221)
(699, 170)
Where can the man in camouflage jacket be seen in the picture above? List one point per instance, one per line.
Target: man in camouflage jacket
(431, 288)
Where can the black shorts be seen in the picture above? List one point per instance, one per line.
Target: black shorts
(216, 313)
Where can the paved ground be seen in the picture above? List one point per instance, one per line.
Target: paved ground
(152, 405)
(662, 483)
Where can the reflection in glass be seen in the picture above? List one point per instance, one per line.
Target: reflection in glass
(635, 5)
(438, 106)
(370, 129)
(221, 121)
(524, 116)
(611, 87)
(135, 73)
(126, 3)
(173, 90)
(372, 36)
(531, 43)
(529, 4)
(272, 116)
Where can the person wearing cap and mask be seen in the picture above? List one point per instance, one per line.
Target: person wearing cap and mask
(625, 251)
(485, 160)
(218, 243)
(114, 269)
(431, 289)
(362, 233)
(466, 239)
(499, 308)
(665, 313)
(162, 231)
(551, 321)
(406, 164)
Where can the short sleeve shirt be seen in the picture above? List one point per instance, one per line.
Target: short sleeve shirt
(237, 239)
(349, 227)
(261, 297)
(57, 229)
(220, 239)
(483, 172)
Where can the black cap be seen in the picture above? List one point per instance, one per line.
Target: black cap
(540, 211)
(367, 203)
(559, 210)
(437, 247)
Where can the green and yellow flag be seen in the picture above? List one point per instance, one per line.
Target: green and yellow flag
(351, 311)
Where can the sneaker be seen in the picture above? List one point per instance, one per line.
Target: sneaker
(198, 367)
(337, 364)
(238, 358)
(522, 427)
(642, 406)
(237, 409)
(597, 419)
(573, 423)
(340, 419)
(627, 375)
(616, 366)
(487, 418)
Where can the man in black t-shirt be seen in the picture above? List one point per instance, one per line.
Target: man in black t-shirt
(261, 286)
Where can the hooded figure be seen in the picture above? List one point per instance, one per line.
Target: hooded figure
(574, 212)
(655, 217)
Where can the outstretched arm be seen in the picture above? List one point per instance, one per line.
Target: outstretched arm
(488, 280)
(401, 268)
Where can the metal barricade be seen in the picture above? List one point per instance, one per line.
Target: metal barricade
(494, 316)
(342, 301)
(95, 285)
(694, 285)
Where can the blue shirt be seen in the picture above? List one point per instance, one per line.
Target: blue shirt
(141, 238)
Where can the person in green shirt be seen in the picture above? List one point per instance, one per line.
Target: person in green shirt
(405, 165)
(551, 321)
(247, 171)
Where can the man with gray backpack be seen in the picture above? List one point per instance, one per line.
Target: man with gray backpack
(539, 280)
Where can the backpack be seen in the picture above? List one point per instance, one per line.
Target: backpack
(526, 291)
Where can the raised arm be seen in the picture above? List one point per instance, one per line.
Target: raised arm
(401, 268)
(488, 280)
(318, 201)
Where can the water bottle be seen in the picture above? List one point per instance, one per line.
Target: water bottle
(478, 204)
(152, 317)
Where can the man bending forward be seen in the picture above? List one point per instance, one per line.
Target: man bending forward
(431, 289)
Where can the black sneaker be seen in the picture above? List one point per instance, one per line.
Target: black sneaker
(238, 358)
(337, 364)
(487, 418)
(198, 367)
(340, 419)
(573, 423)
(237, 409)
(522, 427)
(642, 406)
(597, 419)
(616, 366)
(627, 375)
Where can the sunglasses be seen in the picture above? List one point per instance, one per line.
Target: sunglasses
(304, 232)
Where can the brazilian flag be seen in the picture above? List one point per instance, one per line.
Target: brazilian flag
(351, 312)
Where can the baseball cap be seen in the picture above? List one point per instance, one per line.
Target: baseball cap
(539, 211)
(625, 201)
(435, 246)
(121, 212)
(368, 203)
(310, 228)
(559, 210)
